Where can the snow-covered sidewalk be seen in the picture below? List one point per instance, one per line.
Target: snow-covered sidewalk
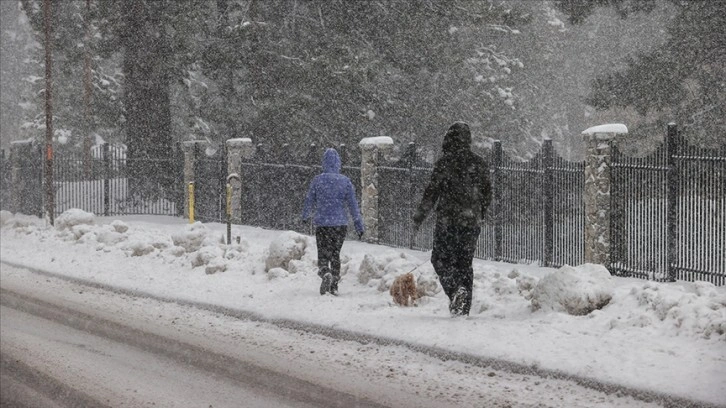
(663, 338)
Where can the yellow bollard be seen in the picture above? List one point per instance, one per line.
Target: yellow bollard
(191, 202)
(229, 201)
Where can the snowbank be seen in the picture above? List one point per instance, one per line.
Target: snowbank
(74, 217)
(577, 291)
(668, 336)
(288, 246)
(693, 309)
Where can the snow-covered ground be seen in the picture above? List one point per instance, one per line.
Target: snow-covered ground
(668, 338)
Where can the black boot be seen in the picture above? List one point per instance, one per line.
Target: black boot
(460, 302)
(326, 284)
(334, 285)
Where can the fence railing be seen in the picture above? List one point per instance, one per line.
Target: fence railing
(669, 213)
(105, 183)
(5, 181)
(210, 175)
(275, 184)
(536, 214)
(23, 179)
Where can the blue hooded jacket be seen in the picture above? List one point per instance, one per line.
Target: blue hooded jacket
(329, 194)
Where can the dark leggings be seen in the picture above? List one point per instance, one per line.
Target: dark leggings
(330, 240)
(452, 257)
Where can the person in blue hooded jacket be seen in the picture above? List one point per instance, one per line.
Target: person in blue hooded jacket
(329, 195)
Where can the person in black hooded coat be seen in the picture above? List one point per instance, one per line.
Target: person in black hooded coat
(460, 192)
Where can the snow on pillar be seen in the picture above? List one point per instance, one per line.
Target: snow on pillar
(598, 146)
(371, 148)
(190, 157)
(237, 149)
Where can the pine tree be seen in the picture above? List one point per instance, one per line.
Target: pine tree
(681, 81)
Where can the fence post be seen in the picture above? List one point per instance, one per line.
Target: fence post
(617, 212)
(410, 157)
(497, 198)
(106, 177)
(15, 177)
(237, 149)
(672, 142)
(548, 186)
(312, 158)
(4, 181)
(284, 157)
(343, 150)
(598, 145)
(190, 158)
(371, 149)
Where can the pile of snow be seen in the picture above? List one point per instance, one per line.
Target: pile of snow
(381, 270)
(8, 220)
(195, 245)
(74, 217)
(192, 238)
(287, 247)
(291, 253)
(575, 290)
(682, 309)
(5, 218)
(695, 309)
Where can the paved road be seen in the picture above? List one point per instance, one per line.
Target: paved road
(45, 347)
(69, 344)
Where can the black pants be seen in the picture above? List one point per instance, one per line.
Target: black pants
(452, 257)
(330, 240)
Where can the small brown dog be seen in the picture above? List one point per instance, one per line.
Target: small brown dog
(403, 290)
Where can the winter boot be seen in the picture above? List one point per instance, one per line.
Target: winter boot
(334, 286)
(326, 284)
(459, 305)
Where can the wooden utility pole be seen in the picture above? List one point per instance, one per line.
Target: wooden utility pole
(87, 92)
(49, 197)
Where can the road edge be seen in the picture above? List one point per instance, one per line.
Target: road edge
(667, 400)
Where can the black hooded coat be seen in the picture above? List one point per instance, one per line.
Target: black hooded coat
(460, 190)
(459, 187)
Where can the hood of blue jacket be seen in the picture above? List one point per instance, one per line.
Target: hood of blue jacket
(331, 161)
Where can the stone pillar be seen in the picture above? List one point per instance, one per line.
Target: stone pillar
(598, 147)
(371, 150)
(190, 149)
(237, 149)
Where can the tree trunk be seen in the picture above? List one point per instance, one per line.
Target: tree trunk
(147, 101)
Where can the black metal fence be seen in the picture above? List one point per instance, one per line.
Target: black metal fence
(668, 216)
(106, 185)
(102, 182)
(5, 169)
(274, 185)
(536, 214)
(25, 164)
(669, 213)
(210, 175)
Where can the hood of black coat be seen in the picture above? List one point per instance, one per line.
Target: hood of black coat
(457, 138)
